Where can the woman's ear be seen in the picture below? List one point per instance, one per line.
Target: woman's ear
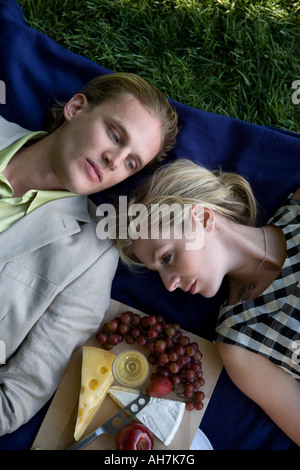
(204, 216)
(209, 219)
(76, 104)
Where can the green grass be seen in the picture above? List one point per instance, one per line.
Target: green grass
(236, 58)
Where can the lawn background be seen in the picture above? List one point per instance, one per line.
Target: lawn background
(235, 58)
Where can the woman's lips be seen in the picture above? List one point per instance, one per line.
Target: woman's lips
(193, 287)
(94, 171)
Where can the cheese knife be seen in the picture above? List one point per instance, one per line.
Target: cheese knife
(113, 425)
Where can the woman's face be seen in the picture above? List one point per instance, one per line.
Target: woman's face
(197, 270)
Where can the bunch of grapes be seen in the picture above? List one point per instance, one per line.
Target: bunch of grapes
(174, 355)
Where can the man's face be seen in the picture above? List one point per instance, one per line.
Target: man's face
(98, 147)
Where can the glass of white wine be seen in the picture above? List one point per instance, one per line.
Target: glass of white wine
(130, 368)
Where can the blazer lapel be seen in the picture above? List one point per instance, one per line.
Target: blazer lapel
(52, 221)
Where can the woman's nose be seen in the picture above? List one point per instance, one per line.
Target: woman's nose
(171, 281)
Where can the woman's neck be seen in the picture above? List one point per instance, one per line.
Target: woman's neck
(263, 258)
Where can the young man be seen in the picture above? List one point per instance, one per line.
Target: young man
(55, 274)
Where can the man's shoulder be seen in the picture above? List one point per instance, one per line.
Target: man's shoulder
(10, 132)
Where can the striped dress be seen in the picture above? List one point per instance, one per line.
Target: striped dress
(270, 324)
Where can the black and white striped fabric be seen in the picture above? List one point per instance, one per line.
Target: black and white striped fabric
(270, 324)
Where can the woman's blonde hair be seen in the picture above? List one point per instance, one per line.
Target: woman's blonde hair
(186, 183)
(111, 86)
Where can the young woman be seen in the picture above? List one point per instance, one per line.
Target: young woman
(258, 330)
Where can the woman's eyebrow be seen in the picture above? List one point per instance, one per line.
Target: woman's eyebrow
(155, 256)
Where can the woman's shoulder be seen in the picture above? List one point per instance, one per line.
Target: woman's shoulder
(289, 212)
(296, 194)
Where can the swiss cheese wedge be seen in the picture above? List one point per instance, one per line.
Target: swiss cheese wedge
(96, 378)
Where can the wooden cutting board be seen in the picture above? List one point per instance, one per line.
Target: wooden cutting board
(57, 429)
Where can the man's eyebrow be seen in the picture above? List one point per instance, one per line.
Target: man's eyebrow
(126, 136)
(121, 128)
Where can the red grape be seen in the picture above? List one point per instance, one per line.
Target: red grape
(126, 317)
(188, 391)
(123, 329)
(181, 361)
(141, 340)
(151, 320)
(190, 350)
(160, 346)
(163, 358)
(199, 396)
(135, 333)
(180, 349)
(129, 339)
(170, 331)
(160, 318)
(197, 356)
(135, 319)
(174, 367)
(176, 380)
(198, 405)
(144, 322)
(184, 340)
(102, 338)
(152, 333)
(170, 350)
(189, 406)
(150, 346)
(113, 339)
(173, 356)
(152, 359)
(158, 327)
(112, 325)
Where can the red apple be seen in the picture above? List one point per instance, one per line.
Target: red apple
(134, 436)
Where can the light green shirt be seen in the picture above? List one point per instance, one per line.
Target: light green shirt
(14, 208)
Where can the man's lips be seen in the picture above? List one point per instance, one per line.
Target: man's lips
(94, 171)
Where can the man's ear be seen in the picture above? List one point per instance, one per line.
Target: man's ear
(204, 216)
(76, 104)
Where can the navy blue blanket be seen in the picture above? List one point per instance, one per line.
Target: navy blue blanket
(34, 70)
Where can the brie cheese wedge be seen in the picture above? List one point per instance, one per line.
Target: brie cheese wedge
(161, 416)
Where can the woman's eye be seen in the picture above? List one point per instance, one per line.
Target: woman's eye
(130, 165)
(166, 259)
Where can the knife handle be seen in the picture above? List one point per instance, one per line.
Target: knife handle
(86, 440)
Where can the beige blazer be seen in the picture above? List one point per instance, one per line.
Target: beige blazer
(55, 283)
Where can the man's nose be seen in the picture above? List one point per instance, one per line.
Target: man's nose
(114, 159)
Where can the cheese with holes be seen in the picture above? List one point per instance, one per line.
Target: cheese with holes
(161, 416)
(96, 378)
